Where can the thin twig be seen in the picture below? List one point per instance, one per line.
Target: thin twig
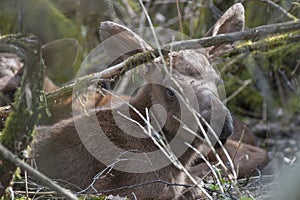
(286, 81)
(174, 20)
(236, 92)
(162, 2)
(36, 193)
(221, 186)
(280, 90)
(143, 17)
(26, 185)
(240, 142)
(160, 52)
(280, 9)
(179, 16)
(117, 70)
(197, 117)
(296, 68)
(39, 176)
(130, 11)
(145, 183)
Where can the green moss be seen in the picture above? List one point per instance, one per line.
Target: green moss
(248, 99)
(293, 103)
(281, 44)
(21, 122)
(259, 62)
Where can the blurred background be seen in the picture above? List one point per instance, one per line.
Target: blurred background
(272, 92)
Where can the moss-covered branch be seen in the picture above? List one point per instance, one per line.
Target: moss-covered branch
(264, 35)
(20, 124)
(114, 72)
(39, 176)
(251, 34)
(271, 37)
(270, 46)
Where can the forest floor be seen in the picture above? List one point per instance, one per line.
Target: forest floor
(281, 139)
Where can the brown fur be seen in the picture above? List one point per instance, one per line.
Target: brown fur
(241, 147)
(60, 153)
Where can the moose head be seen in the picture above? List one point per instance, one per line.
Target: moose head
(177, 105)
(187, 84)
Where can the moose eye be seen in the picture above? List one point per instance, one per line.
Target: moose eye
(170, 93)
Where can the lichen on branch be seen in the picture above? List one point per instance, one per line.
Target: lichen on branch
(20, 125)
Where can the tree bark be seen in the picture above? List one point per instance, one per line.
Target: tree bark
(20, 124)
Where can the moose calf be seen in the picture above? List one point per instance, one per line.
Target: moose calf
(71, 151)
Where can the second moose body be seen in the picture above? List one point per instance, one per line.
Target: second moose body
(60, 153)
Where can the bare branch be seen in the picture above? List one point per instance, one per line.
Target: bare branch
(146, 183)
(179, 16)
(39, 176)
(251, 34)
(148, 56)
(113, 72)
(141, 58)
(280, 9)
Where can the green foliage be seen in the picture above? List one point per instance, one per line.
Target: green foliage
(249, 99)
(8, 17)
(269, 57)
(39, 17)
(213, 187)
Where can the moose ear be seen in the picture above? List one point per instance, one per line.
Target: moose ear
(120, 42)
(233, 20)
